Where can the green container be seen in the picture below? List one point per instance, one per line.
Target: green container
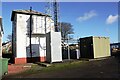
(3, 66)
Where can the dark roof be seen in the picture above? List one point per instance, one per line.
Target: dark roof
(27, 12)
(115, 44)
(93, 37)
(1, 23)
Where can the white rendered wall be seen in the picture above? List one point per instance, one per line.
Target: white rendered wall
(1, 34)
(39, 24)
(22, 37)
(54, 51)
(21, 30)
(0, 46)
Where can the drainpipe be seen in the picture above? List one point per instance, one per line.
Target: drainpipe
(30, 32)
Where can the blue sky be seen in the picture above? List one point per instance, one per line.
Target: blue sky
(87, 18)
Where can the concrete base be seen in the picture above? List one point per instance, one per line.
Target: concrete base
(44, 64)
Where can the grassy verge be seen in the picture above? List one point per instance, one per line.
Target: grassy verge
(54, 67)
(61, 66)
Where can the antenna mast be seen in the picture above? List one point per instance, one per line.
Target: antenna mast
(55, 10)
(52, 9)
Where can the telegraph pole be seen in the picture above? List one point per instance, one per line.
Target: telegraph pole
(68, 48)
(30, 32)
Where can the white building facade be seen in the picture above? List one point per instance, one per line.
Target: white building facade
(41, 24)
(1, 35)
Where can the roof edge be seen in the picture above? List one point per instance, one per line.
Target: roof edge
(20, 12)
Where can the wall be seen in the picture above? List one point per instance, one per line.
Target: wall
(0, 46)
(14, 24)
(21, 27)
(86, 47)
(38, 47)
(101, 47)
(48, 47)
(54, 52)
(21, 31)
(1, 34)
(39, 24)
(94, 47)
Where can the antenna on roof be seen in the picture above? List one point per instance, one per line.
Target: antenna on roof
(30, 8)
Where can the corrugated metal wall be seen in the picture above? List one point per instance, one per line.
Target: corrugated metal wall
(101, 47)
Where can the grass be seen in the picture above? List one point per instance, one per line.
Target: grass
(61, 66)
(54, 67)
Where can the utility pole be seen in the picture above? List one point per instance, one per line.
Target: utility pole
(30, 32)
(68, 49)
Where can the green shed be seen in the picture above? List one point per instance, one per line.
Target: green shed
(94, 47)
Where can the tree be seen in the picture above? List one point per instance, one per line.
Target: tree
(66, 28)
(7, 46)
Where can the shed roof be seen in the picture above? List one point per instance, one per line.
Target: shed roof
(27, 12)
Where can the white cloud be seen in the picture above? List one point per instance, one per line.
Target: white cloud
(111, 19)
(87, 16)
